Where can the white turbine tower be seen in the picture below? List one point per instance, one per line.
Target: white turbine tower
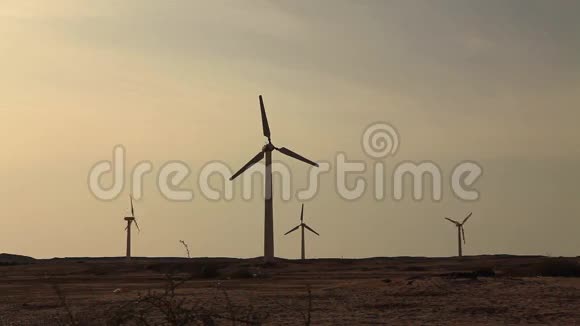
(266, 152)
(130, 220)
(302, 225)
(460, 231)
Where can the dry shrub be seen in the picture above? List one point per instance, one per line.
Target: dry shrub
(195, 269)
(558, 267)
(166, 307)
(549, 267)
(484, 272)
(242, 273)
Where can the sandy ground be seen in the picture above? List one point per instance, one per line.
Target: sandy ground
(342, 292)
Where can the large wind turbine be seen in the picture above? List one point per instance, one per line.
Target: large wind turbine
(130, 220)
(269, 208)
(460, 231)
(303, 226)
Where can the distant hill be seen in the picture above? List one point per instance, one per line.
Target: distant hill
(9, 259)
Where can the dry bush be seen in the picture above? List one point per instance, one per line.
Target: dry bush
(209, 271)
(305, 312)
(485, 272)
(415, 269)
(242, 273)
(195, 269)
(549, 267)
(67, 318)
(166, 307)
(558, 267)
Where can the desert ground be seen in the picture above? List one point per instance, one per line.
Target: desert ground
(486, 290)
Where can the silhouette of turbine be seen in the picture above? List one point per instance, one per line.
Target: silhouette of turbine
(460, 231)
(302, 225)
(130, 220)
(266, 152)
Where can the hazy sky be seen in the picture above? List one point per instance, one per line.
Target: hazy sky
(496, 82)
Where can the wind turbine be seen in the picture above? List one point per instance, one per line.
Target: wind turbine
(266, 151)
(460, 231)
(303, 226)
(130, 220)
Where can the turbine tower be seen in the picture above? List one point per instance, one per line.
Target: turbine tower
(302, 225)
(460, 231)
(266, 152)
(130, 220)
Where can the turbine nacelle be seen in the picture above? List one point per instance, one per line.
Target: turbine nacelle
(269, 147)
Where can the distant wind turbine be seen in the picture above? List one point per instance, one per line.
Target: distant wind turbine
(269, 207)
(302, 225)
(130, 220)
(460, 231)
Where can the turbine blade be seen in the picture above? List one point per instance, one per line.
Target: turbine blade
(467, 218)
(137, 225)
(311, 230)
(452, 221)
(302, 214)
(265, 125)
(126, 227)
(132, 210)
(290, 153)
(294, 229)
(253, 161)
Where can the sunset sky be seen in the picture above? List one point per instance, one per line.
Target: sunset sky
(495, 82)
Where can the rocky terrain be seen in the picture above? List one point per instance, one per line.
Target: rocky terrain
(214, 291)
